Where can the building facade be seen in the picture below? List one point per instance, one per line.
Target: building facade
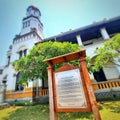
(31, 33)
(92, 37)
(89, 37)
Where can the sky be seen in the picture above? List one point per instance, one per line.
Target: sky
(57, 16)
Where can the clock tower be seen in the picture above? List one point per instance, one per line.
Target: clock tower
(32, 21)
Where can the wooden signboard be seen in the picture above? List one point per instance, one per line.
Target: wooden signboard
(70, 88)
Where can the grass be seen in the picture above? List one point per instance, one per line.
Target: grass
(108, 111)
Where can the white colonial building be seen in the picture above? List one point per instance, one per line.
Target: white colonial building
(31, 33)
(90, 37)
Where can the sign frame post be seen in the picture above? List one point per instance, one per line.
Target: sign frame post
(53, 115)
(86, 84)
(90, 89)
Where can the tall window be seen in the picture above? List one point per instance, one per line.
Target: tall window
(8, 60)
(18, 87)
(1, 71)
(44, 84)
(26, 24)
(25, 52)
(22, 53)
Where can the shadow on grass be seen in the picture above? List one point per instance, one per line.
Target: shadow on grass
(75, 116)
(38, 112)
(113, 107)
(100, 106)
(41, 112)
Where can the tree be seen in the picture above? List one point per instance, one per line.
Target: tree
(32, 66)
(109, 52)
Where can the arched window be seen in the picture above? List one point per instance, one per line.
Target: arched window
(20, 54)
(25, 52)
(100, 75)
(44, 84)
(22, 51)
(8, 60)
(18, 87)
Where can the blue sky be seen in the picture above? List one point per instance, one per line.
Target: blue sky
(57, 16)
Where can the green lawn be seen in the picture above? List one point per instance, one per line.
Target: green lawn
(108, 111)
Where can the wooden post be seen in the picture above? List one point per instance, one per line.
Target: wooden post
(51, 100)
(90, 89)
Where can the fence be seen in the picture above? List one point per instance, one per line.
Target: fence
(107, 90)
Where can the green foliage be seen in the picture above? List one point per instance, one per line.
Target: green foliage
(32, 66)
(109, 52)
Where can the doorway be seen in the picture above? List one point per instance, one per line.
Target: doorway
(99, 76)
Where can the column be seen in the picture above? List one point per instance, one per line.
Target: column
(1, 94)
(79, 40)
(89, 87)
(3, 90)
(104, 33)
(53, 115)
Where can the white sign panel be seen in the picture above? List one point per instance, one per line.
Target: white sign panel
(70, 93)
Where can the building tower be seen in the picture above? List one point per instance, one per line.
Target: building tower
(32, 22)
(31, 33)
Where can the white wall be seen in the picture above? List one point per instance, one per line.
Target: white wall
(11, 78)
(111, 71)
(28, 43)
(92, 47)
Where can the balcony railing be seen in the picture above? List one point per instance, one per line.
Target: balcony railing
(106, 84)
(30, 92)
